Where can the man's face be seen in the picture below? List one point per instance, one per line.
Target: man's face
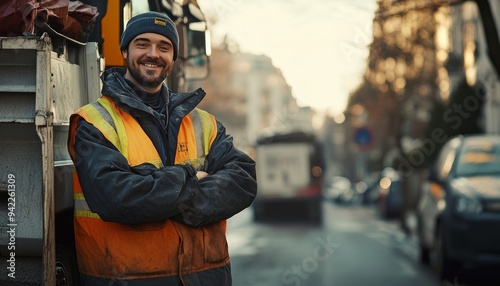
(149, 60)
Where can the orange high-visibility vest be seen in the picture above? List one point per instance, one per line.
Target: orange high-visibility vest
(118, 251)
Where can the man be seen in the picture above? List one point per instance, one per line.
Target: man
(155, 177)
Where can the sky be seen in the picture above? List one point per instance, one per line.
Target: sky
(320, 46)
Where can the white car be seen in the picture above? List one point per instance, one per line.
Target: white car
(340, 190)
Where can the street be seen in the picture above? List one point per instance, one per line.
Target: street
(353, 247)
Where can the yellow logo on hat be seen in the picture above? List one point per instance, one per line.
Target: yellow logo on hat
(160, 21)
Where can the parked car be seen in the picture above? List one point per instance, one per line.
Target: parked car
(371, 193)
(390, 198)
(340, 190)
(459, 209)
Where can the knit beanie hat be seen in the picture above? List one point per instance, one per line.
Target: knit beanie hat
(150, 22)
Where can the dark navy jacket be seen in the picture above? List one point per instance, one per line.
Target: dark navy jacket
(230, 187)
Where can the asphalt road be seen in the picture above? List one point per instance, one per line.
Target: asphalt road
(353, 247)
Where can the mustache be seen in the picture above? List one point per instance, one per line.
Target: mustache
(152, 62)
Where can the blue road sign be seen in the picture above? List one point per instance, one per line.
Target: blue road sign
(363, 136)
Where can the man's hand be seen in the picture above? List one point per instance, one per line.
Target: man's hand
(201, 174)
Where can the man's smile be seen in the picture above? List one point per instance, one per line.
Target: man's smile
(152, 64)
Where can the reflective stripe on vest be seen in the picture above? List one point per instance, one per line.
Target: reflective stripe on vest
(82, 208)
(202, 124)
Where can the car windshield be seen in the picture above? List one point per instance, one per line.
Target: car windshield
(479, 157)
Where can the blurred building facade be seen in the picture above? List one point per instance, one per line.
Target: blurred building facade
(422, 56)
(429, 77)
(403, 79)
(250, 96)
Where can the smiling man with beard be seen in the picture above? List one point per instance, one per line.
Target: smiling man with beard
(149, 52)
(155, 177)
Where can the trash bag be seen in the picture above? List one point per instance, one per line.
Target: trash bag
(81, 21)
(31, 17)
(52, 12)
(17, 17)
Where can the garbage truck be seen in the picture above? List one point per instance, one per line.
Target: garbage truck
(48, 69)
(290, 170)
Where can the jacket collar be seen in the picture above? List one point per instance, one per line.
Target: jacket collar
(115, 87)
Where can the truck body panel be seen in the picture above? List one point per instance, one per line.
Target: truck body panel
(39, 89)
(283, 169)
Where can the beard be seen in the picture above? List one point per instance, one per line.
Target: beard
(148, 79)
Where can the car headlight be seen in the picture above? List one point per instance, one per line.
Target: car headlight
(468, 205)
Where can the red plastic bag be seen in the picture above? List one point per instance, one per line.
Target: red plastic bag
(72, 19)
(52, 12)
(80, 22)
(17, 17)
